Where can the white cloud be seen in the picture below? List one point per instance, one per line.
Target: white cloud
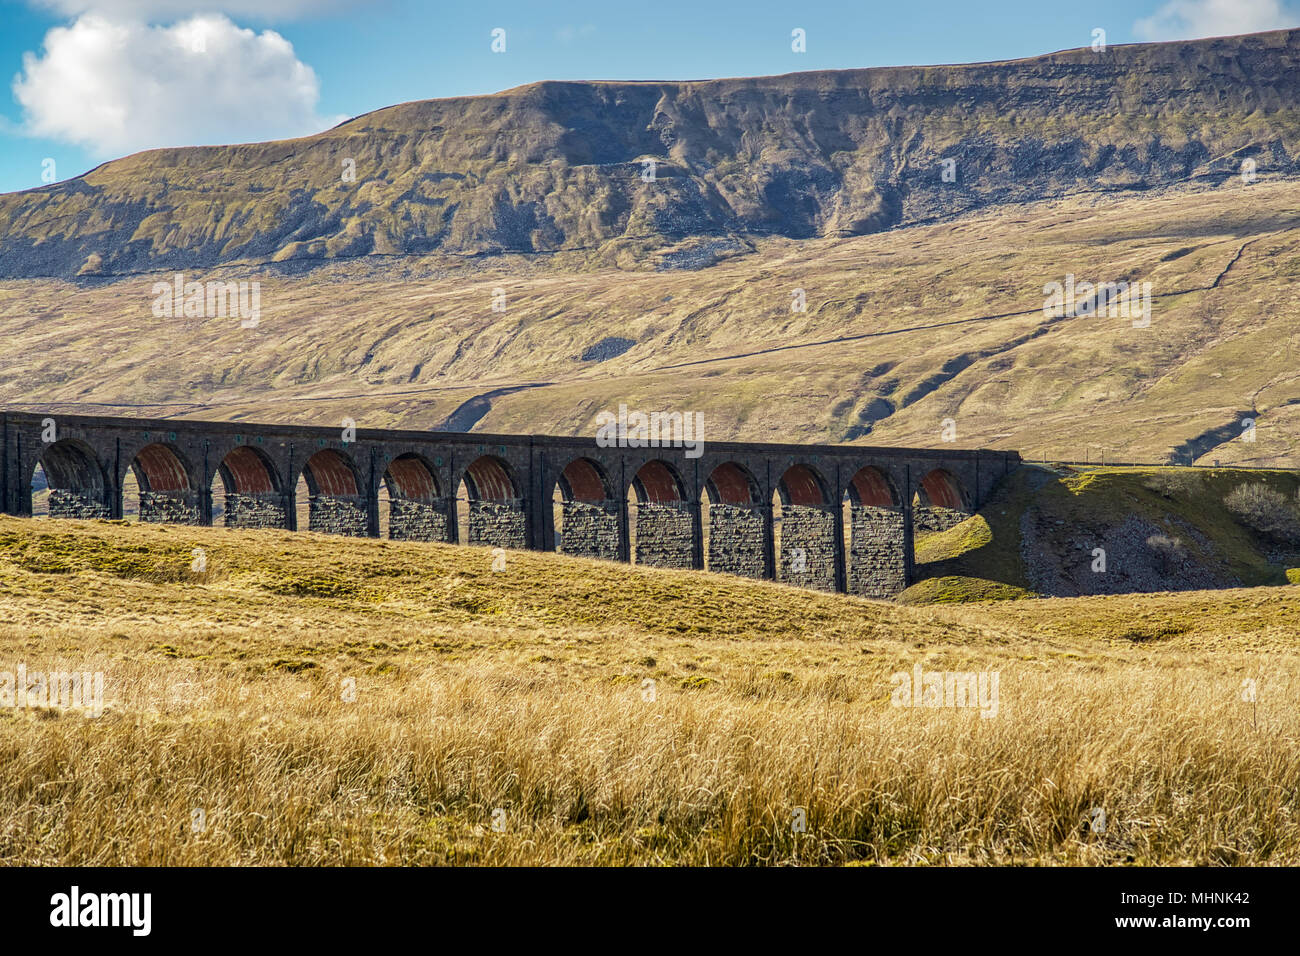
(1191, 19)
(118, 87)
(169, 10)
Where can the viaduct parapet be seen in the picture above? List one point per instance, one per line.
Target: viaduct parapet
(833, 517)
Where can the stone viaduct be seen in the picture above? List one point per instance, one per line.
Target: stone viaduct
(833, 517)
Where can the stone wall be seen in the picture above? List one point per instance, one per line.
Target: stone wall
(341, 514)
(417, 520)
(736, 539)
(169, 507)
(498, 524)
(74, 504)
(589, 530)
(927, 519)
(810, 530)
(255, 511)
(877, 562)
(664, 536)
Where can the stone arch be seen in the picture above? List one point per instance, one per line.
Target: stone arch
(585, 511)
(940, 502)
(874, 529)
(78, 486)
(801, 485)
(940, 488)
(417, 505)
(253, 496)
(660, 523)
(736, 524)
(803, 521)
(657, 482)
(335, 504)
(490, 478)
(167, 494)
(493, 507)
(872, 488)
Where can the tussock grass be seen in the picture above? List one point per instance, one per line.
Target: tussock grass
(524, 692)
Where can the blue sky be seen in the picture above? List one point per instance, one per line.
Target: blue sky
(103, 78)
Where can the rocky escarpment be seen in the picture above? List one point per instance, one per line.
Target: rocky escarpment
(610, 168)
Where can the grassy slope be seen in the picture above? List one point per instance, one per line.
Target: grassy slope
(522, 690)
(984, 557)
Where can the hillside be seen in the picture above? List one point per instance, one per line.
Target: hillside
(902, 330)
(332, 701)
(1158, 529)
(499, 265)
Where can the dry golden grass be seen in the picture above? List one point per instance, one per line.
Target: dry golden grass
(522, 692)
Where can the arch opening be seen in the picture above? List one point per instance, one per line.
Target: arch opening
(163, 489)
(75, 481)
(412, 506)
(660, 524)
(40, 493)
(735, 524)
(874, 531)
(335, 504)
(489, 506)
(129, 497)
(940, 502)
(584, 513)
(251, 496)
(803, 529)
(871, 488)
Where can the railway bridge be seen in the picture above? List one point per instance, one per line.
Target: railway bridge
(832, 517)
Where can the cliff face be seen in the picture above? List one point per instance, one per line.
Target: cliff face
(567, 166)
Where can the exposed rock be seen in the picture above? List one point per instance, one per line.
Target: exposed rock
(559, 165)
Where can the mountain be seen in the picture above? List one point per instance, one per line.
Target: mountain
(562, 166)
(797, 270)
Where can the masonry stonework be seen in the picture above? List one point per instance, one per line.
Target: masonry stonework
(589, 530)
(663, 535)
(254, 511)
(929, 519)
(338, 514)
(410, 520)
(169, 507)
(877, 559)
(808, 542)
(497, 524)
(737, 536)
(73, 504)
